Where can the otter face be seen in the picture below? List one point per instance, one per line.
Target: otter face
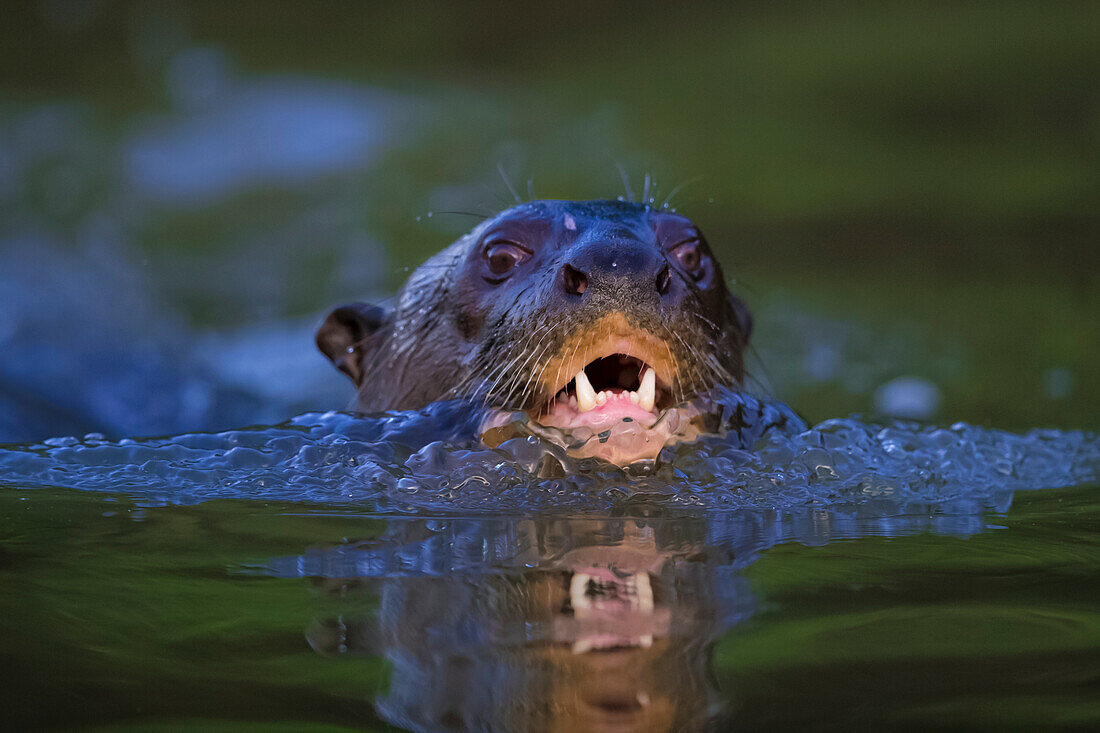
(588, 317)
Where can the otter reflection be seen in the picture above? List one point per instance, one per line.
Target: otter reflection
(564, 624)
(535, 624)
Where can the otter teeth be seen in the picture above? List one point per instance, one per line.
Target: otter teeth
(586, 396)
(647, 392)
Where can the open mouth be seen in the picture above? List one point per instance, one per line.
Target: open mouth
(609, 389)
(613, 395)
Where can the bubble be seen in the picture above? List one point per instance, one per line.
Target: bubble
(430, 460)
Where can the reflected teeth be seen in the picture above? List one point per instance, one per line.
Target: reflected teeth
(647, 393)
(586, 396)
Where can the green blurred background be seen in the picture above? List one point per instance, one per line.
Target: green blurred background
(897, 189)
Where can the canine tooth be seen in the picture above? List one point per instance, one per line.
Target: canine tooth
(647, 393)
(643, 591)
(586, 396)
(578, 590)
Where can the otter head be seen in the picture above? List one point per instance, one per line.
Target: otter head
(599, 322)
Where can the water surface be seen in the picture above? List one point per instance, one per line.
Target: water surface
(365, 572)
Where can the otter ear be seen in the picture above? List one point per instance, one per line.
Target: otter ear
(744, 318)
(346, 334)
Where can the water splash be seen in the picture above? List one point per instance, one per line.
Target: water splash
(429, 461)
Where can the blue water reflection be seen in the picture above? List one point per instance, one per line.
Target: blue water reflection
(275, 132)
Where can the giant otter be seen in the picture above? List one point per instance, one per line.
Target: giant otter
(601, 323)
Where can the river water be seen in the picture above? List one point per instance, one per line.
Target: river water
(361, 571)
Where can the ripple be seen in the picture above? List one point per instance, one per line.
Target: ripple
(428, 461)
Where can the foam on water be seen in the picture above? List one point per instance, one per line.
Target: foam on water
(430, 461)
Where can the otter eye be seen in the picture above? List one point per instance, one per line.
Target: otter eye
(690, 257)
(503, 257)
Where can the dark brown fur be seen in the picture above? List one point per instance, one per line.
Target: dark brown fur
(460, 329)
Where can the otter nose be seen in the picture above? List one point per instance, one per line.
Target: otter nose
(617, 267)
(664, 279)
(574, 281)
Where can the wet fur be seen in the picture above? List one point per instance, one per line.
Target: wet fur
(450, 334)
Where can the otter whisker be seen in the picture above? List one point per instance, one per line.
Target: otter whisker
(765, 387)
(532, 376)
(707, 321)
(542, 370)
(761, 388)
(511, 188)
(626, 182)
(456, 212)
(679, 372)
(572, 357)
(540, 348)
(691, 371)
(473, 372)
(501, 200)
(719, 372)
(505, 391)
(486, 380)
(676, 189)
(514, 368)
